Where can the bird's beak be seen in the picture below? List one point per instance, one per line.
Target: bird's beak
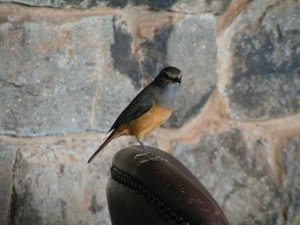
(178, 79)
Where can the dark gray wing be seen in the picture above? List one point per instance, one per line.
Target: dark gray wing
(136, 108)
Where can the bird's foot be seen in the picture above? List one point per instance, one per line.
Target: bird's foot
(149, 156)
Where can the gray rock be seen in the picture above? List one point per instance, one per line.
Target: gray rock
(266, 64)
(7, 158)
(192, 47)
(186, 6)
(291, 181)
(124, 60)
(58, 83)
(237, 173)
(54, 184)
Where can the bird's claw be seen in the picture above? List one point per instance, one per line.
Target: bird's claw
(149, 156)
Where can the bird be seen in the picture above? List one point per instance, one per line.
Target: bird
(148, 110)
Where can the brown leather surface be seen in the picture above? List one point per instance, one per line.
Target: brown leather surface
(158, 192)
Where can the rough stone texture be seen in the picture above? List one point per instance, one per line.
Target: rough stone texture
(195, 55)
(238, 174)
(53, 184)
(291, 183)
(7, 156)
(65, 73)
(59, 84)
(53, 78)
(266, 63)
(186, 6)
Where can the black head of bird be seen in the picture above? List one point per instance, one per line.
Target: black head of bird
(168, 75)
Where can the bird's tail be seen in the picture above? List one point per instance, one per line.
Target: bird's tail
(112, 136)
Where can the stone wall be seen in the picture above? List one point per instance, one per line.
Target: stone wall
(67, 69)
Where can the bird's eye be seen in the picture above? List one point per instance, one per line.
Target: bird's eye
(167, 76)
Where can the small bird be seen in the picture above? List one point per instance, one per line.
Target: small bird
(148, 110)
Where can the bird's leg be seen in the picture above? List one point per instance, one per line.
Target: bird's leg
(149, 156)
(142, 144)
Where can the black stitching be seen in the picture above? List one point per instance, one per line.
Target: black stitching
(136, 185)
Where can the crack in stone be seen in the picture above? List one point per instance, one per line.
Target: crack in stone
(13, 206)
(266, 11)
(10, 83)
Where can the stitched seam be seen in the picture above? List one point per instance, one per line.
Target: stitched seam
(136, 185)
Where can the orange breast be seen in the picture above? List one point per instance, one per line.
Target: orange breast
(152, 119)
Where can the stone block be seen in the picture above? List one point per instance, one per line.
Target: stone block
(291, 181)
(77, 74)
(185, 6)
(265, 81)
(234, 166)
(7, 159)
(54, 184)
